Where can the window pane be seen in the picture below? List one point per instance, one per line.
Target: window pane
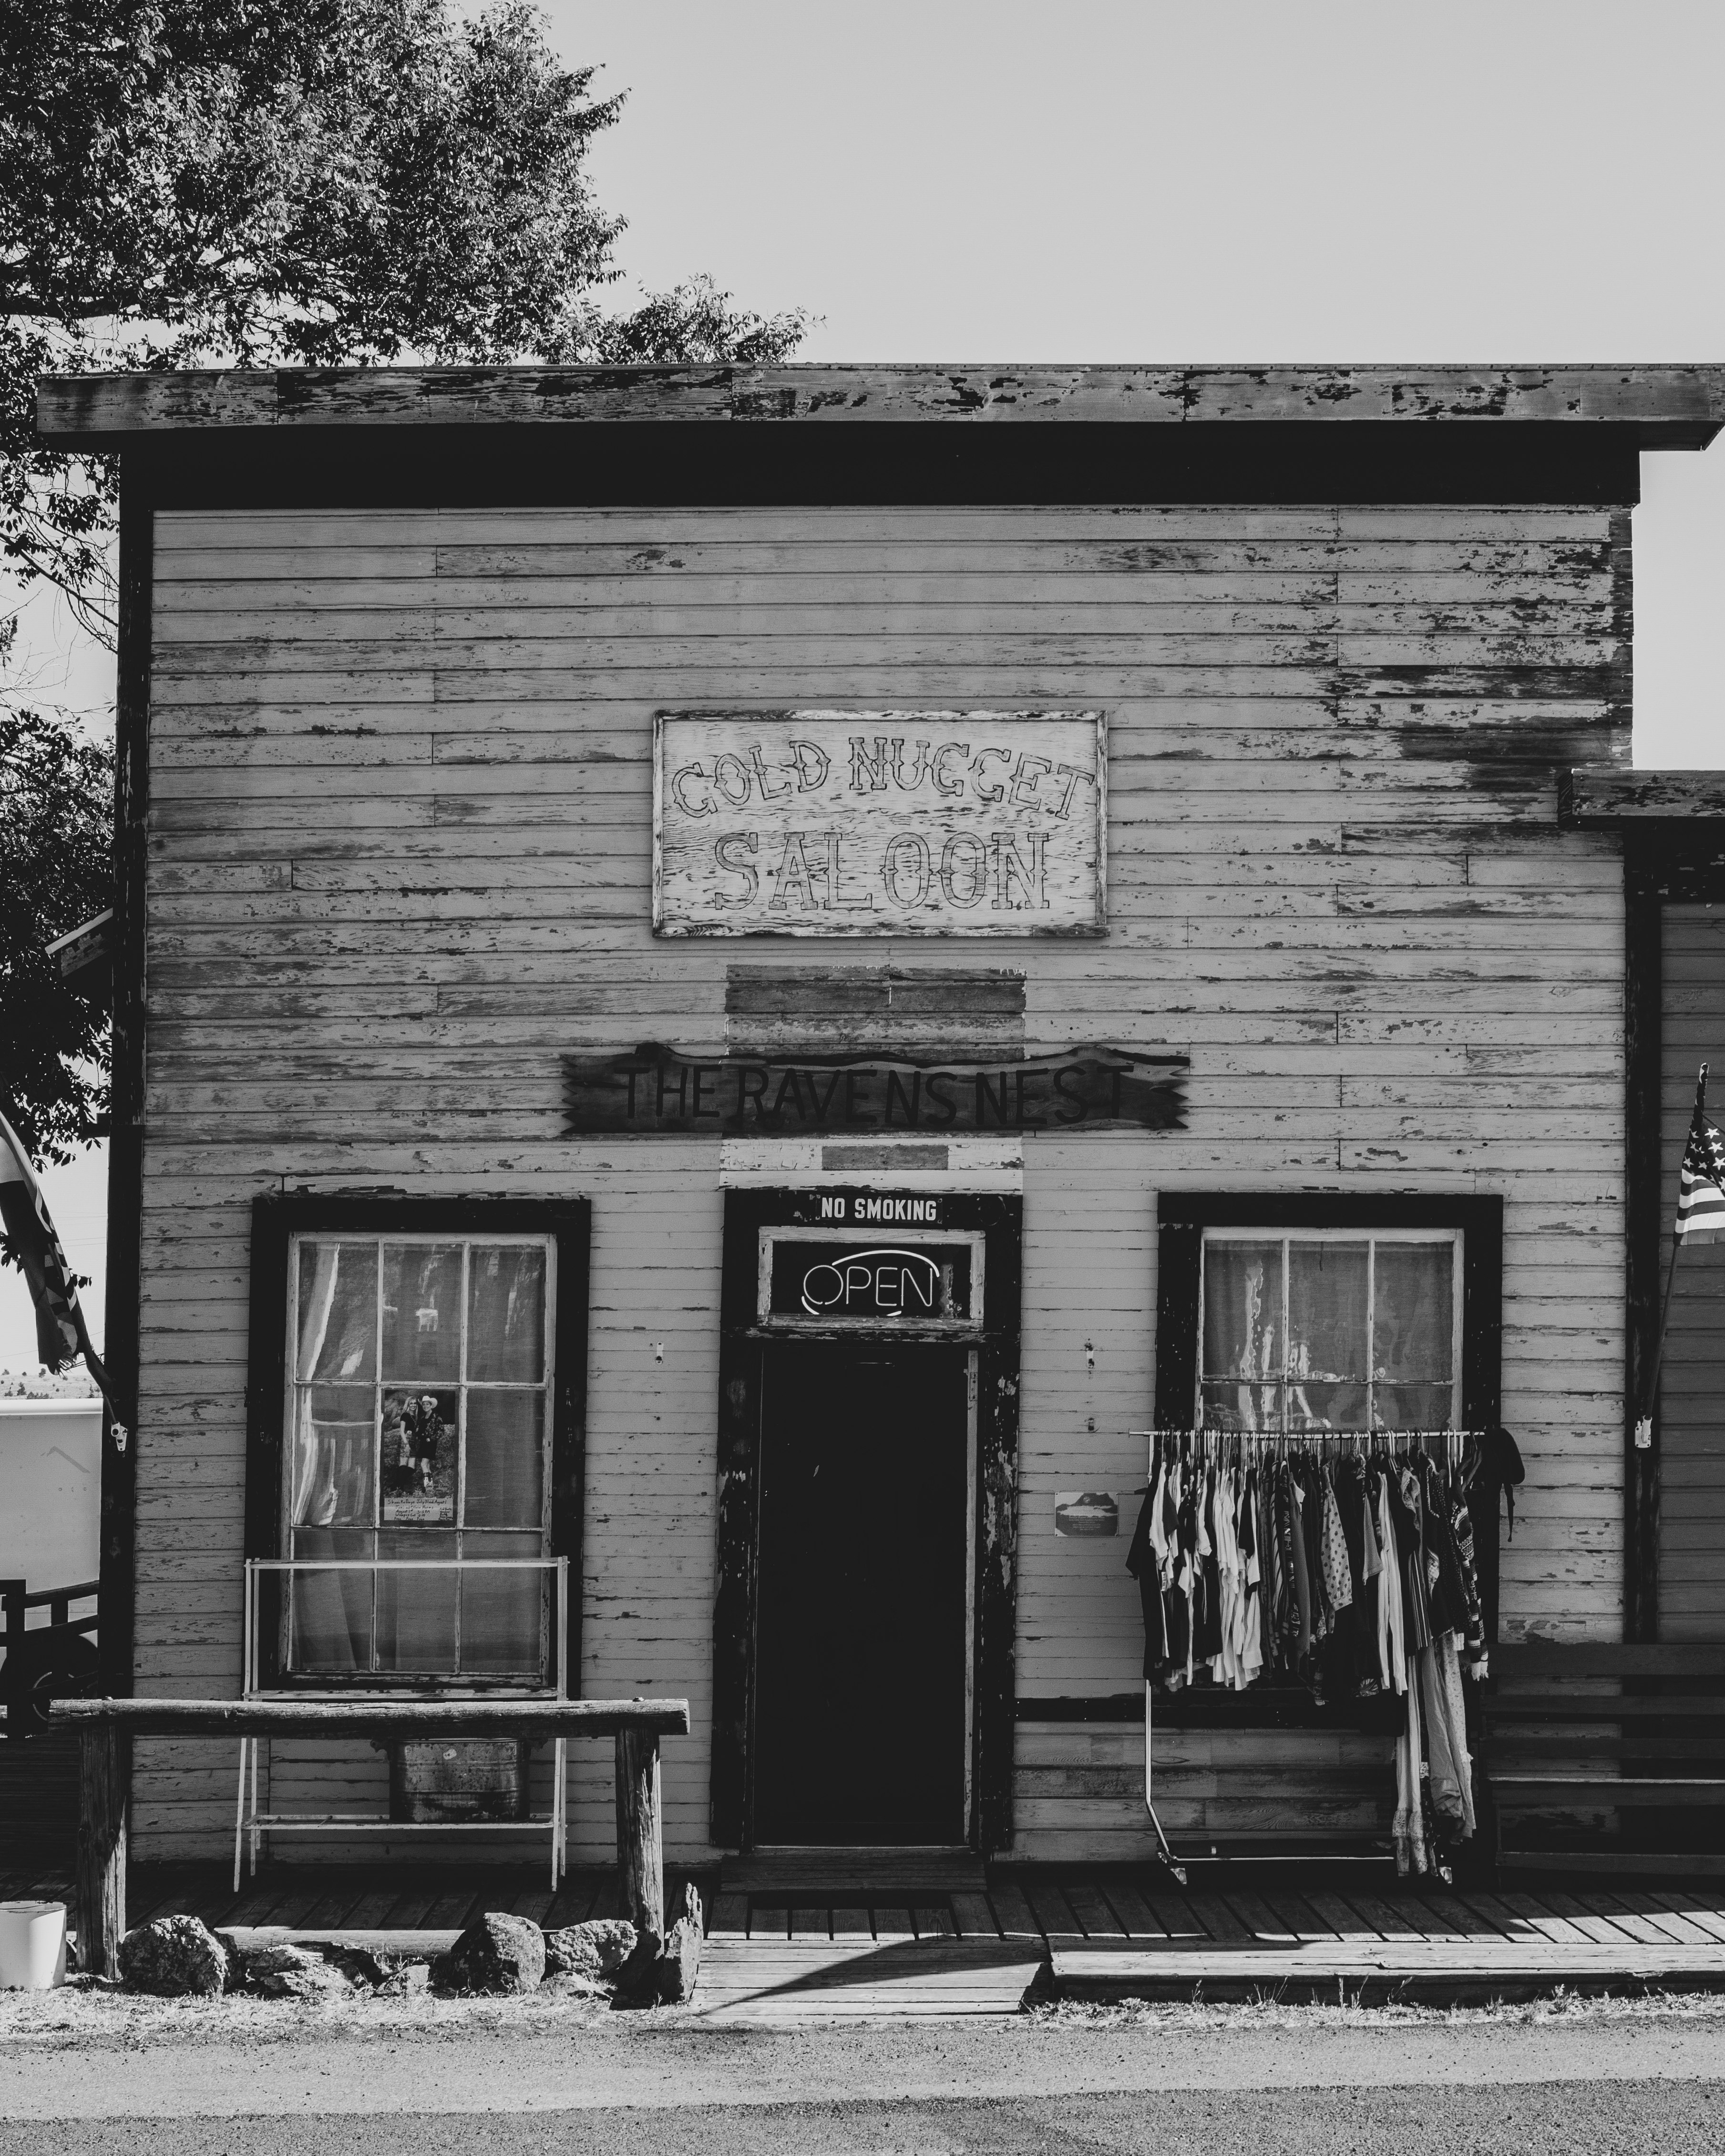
(1415, 1310)
(329, 1612)
(1326, 1310)
(418, 1463)
(335, 1443)
(1242, 1310)
(421, 1313)
(1414, 1407)
(506, 1314)
(338, 1311)
(506, 1453)
(500, 1610)
(1241, 1407)
(1315, 1406)
(416, 1610)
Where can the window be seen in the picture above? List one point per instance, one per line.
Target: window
(1330, 1329)
(418, 1433)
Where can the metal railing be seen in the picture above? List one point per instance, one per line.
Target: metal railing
(38, 1665)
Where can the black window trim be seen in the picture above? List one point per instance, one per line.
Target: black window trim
(277, 1217)
(1182, 1216)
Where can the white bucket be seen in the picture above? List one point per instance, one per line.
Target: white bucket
(33, 1945)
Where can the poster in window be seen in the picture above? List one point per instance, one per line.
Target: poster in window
(419, 1462)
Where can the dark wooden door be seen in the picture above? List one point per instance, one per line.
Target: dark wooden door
(860, 1640)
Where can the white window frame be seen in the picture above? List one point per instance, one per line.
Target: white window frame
(457, 1529)
(1455, 1237)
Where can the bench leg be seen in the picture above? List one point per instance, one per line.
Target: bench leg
(103, 1762)
(641, 1844)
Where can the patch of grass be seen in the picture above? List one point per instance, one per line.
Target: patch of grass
(1267, 2012)
(88, 2011)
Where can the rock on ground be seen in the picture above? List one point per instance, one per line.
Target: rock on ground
(679, 1966)
(497, 1953)
(172, 1957)
(664, 1971)
(595, 1950)
(282, 1971)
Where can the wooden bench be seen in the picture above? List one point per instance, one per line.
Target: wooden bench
(106, 1727)
(1589, 1728)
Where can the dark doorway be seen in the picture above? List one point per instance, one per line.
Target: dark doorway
(861, 1636)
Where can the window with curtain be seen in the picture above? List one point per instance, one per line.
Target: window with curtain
(1329, 1331)
(418, 1428)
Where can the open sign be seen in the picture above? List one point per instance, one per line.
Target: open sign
(840, 1282)
(878, 1284)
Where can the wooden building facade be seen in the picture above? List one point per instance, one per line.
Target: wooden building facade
(473, 726)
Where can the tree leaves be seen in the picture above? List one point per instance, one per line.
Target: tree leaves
(297, 182)
(56, 842)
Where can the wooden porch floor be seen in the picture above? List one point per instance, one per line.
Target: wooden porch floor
(1321, 1932)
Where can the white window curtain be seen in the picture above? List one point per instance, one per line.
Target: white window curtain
(1306, 1332)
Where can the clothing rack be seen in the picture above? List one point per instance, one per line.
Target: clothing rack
(1199, 1447)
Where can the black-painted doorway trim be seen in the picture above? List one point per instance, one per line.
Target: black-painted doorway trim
(742, 1348)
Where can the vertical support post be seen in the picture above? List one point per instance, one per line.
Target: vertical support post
(1644, 1002)
(640, 1843)
(103, 1781)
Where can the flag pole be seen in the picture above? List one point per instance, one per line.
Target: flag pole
(1644, 1425)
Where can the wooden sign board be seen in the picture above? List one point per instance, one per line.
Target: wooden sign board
(655, 1091)
(880, 824)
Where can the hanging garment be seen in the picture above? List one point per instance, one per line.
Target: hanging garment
(1408, 1828)
(1301, 1657)
(1207, 1643)
(1361, 1624)
(1341, 1669)
(1461, 1533)
(1144, 1563)
(1451, 1779)
(1312, 1522)
(1252, 1652)
(1443, 1573)
(1372, 1591)
(1228, 1595)
(1392, 1627)
(1496, 1473)
(1404, 1514)
(1338, 1576)
(1287, 1600)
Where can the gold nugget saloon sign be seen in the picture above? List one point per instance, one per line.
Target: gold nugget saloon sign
(880, 824)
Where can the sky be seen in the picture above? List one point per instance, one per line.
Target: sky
(1518, 183)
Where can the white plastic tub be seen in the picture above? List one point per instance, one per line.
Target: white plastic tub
(33, 1945)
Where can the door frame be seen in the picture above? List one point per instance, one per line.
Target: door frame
(1666, 861)
(992, 1479)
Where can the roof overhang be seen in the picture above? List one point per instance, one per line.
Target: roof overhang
(1666, 406)
(1607, 797)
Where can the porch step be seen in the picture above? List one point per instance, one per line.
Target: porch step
(874, 1874)
(1435, 1971)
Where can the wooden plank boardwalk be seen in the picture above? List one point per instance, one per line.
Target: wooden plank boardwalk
(1312, 1930)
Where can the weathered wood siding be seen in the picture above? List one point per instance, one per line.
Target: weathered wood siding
(1691, 1383)
(401, 859)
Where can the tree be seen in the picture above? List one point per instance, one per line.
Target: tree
(317, 183)
(56, 843)
(260, 182)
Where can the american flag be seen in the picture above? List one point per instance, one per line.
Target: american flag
(1700, 1190)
